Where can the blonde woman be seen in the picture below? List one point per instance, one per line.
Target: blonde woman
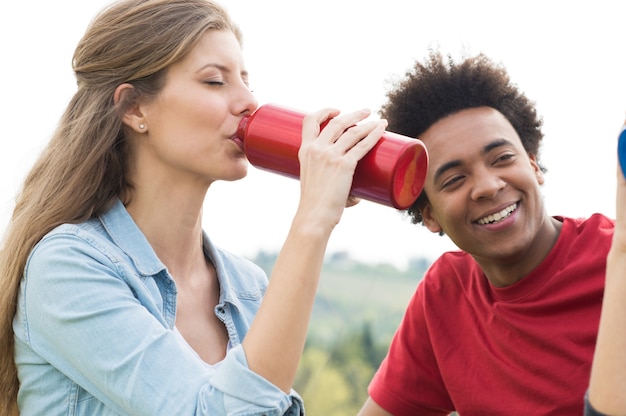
(114, 301)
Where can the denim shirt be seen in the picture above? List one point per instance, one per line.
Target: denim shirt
(94, 330)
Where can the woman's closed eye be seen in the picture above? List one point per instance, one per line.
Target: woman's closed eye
(215, 82)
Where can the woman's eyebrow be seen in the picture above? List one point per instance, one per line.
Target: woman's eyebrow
(223, 68)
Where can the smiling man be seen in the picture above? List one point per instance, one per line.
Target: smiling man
(507, 324)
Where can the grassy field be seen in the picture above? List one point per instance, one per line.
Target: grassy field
(351, 295)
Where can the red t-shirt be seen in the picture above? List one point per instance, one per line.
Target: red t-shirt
(525, 349)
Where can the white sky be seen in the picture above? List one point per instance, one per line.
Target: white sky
(567, 56)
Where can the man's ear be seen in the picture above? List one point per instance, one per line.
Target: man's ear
(537, 168)
(125, 97)
(429, 220)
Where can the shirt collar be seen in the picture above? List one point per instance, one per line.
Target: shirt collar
(127, 236)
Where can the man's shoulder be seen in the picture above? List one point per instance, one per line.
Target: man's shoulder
(453, 263)
(594, 225)
(455, 258)
(596, 219)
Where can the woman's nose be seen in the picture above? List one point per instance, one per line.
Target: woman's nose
(247, 101)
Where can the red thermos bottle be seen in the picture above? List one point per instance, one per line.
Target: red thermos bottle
(392, 173)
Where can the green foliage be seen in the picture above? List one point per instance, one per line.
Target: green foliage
(333, 380)
(323, 387)
(357, 310)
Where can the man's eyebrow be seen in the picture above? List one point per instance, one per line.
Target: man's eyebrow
(495, 144)
(455, 163)
(445, 167)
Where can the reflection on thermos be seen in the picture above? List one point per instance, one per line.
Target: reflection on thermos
(392, 173)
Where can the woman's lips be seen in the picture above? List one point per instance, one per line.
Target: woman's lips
(238, 141)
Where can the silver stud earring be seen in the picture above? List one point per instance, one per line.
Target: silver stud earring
(142, 126)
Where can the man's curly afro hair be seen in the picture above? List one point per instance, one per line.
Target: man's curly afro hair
(439, 87)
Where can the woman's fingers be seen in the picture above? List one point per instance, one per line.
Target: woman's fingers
(331, 147)
(359, 140)
(327, 125)
(313, 123)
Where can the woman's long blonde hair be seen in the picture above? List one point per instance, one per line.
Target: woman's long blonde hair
(83, 168)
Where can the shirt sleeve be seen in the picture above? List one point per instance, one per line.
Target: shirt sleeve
(408, 381)
(93, 323)
(237, 395)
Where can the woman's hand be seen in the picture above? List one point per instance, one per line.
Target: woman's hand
(328, 157)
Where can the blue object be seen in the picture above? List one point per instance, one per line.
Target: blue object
(621, 150)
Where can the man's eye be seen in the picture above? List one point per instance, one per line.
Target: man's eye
(451, 181)
(504, 158)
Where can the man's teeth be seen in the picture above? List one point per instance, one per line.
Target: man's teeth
(498, 215)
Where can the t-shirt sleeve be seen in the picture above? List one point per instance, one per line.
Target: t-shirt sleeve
(408, 381)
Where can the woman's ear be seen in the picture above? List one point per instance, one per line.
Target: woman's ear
(125, 97)
(429, 219)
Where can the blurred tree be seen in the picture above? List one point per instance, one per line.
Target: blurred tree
(324, 389)
(333, 378)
